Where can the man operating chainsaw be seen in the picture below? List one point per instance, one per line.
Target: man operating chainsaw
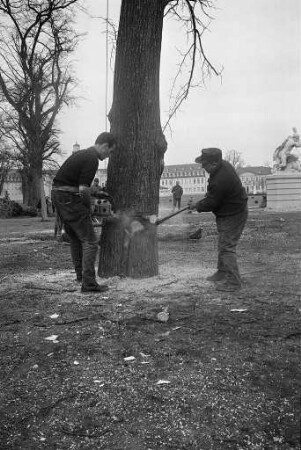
(71, 198)
(227, 199)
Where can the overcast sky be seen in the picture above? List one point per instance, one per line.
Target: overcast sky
(253, 108)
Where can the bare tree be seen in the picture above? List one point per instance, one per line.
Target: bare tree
(35, 79)
(235, 158)
(5, 166)
(194, 67)
(5, 154)
(129, 245)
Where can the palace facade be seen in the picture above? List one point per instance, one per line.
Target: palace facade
(191, 177)
(254, 178)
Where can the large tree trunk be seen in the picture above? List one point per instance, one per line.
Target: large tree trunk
(44, 214)
(129, 245)
(34, 176)
(31, 181)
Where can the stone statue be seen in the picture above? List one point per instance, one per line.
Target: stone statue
(283, 158)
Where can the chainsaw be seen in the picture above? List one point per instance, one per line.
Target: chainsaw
(102, 207)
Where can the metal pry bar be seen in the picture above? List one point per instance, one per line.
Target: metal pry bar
(159, 221)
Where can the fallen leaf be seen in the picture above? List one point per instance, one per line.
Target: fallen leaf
(54, 316)
(163, 316)
(129, 358)
(163, 382)
(53, 338)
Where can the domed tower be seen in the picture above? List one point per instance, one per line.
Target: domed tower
(76, 147)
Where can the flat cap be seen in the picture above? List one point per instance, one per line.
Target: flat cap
(211, 154)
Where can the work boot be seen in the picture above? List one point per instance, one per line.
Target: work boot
(96, 288)
(217, 276)
(225, 286)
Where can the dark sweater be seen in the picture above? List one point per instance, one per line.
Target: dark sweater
(177, 191)
(79, 169)
(225, 194)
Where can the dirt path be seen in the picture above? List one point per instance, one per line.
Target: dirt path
(222, 373)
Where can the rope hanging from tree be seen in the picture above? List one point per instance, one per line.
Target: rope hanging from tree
(107, 66)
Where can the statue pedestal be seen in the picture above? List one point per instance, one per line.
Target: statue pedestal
(284, 191)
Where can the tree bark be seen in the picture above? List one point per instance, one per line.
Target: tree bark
(44, 214)
(134, 170)
(31, 182)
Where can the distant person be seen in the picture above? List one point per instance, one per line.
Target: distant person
(72, 200)
(227, 199)
(95, 187)
(38, 207)
(177, 192)
(49, 206)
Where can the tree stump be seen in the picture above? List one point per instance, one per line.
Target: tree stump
(129, 248)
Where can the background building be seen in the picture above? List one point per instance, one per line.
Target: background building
(191, 177)
(12, 186)
(254, 178)
(101, 174)
(76, 147)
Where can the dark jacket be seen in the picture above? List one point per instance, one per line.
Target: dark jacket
(177, 191)
(225, 194)
(79, 169)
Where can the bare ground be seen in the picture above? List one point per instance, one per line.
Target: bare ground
(223, 373)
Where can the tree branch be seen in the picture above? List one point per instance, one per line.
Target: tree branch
(195, 53)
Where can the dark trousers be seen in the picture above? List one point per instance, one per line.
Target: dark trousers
(177, 203)
(76, 217)
(229, 230)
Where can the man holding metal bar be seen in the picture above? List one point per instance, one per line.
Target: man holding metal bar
(227, 199)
